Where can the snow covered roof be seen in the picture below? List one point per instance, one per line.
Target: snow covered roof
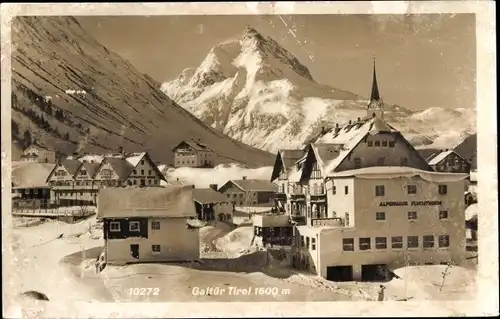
(255, 185)
(71, 165)
(196, 145)
(91, 168)
(135, 158)
(170, 201)
(91, 158)
(385, 172)
(439, 157)
(122, 167)
(30, 175)
(348, 136)
(289, 157)
(208, 196)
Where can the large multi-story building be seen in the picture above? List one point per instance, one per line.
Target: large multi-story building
(362, 197)
(193, 154)
(77, 179)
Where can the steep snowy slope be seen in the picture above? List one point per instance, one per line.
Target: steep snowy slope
(71, 93)
(257, 92)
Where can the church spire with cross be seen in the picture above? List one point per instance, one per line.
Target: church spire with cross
(375, 107)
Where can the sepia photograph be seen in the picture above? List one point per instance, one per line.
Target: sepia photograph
(229, 156)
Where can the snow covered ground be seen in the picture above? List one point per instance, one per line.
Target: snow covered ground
(58, 259)
(203, 177)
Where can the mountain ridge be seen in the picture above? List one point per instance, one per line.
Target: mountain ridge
(73, 94)
(255, 91)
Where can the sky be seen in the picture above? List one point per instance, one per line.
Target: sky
(422, 60)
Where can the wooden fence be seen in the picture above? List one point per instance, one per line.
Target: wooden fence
(54, 212)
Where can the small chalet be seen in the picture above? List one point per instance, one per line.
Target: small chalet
(250, 192)
(29, 187)
(148, 224)
(449, 161)
(193, 154)
(212, 205)
(38, 153)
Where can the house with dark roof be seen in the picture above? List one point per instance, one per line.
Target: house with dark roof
(77, 179)
(38, 153)
(29, 186)
(449, 161)
(211, 205)
(190, 153)
(250, 192)
(148, 224)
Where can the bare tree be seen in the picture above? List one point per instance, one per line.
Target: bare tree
(444, 274)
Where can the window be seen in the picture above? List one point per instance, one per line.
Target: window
(307, 242)
(384, 143)
(443, 189)
(347, 219)
(412, 215)
(133, 226)
(114, 226)
(348, 244)
(379, 190)
(135, 182)
(150, 172)
(370, 143)
(428, 241)
(142, 162)
(411, 189)
(380, 216)
(443, 214)
(142, 172)
(346, 190)
(135, 172)
(444, 241)
(81, 193)
(155, 248)
(364, 243)
(397, 242)
(334, 190)
(412, 241)
(377, 143)
(155, 224)
(313, 243)
(380, 161)
(392, 143)
(380, 243)
(150, 181)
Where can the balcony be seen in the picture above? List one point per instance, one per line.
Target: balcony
(280, 195)
(299, 220)
(334, 221)
(317, 191)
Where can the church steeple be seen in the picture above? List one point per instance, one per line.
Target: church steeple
(375, 107)
(375, 94)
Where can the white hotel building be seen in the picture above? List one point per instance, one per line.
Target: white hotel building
(362, 197)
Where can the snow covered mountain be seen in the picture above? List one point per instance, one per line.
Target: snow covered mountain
(257, 92)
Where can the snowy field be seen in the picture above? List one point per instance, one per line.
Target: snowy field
(58, 259)
(203, 177)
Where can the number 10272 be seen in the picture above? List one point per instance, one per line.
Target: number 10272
(144, 291)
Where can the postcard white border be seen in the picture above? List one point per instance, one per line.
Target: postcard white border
(487, 301)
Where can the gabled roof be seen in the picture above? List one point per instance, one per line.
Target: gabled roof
(29, 175)
(208, 196)
(71, 165)
(443, 155)
(196, 145)
(160, 202)
(290, 157)
(91, 168)
(39, 146)
(121, 166)
(254, 185)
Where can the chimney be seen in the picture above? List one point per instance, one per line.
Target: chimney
(244, 178)
(359, 119)
(350, 122)
(213, 186)
(177, 178)
(194, 187)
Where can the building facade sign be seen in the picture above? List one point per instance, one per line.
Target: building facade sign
(412, 203)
